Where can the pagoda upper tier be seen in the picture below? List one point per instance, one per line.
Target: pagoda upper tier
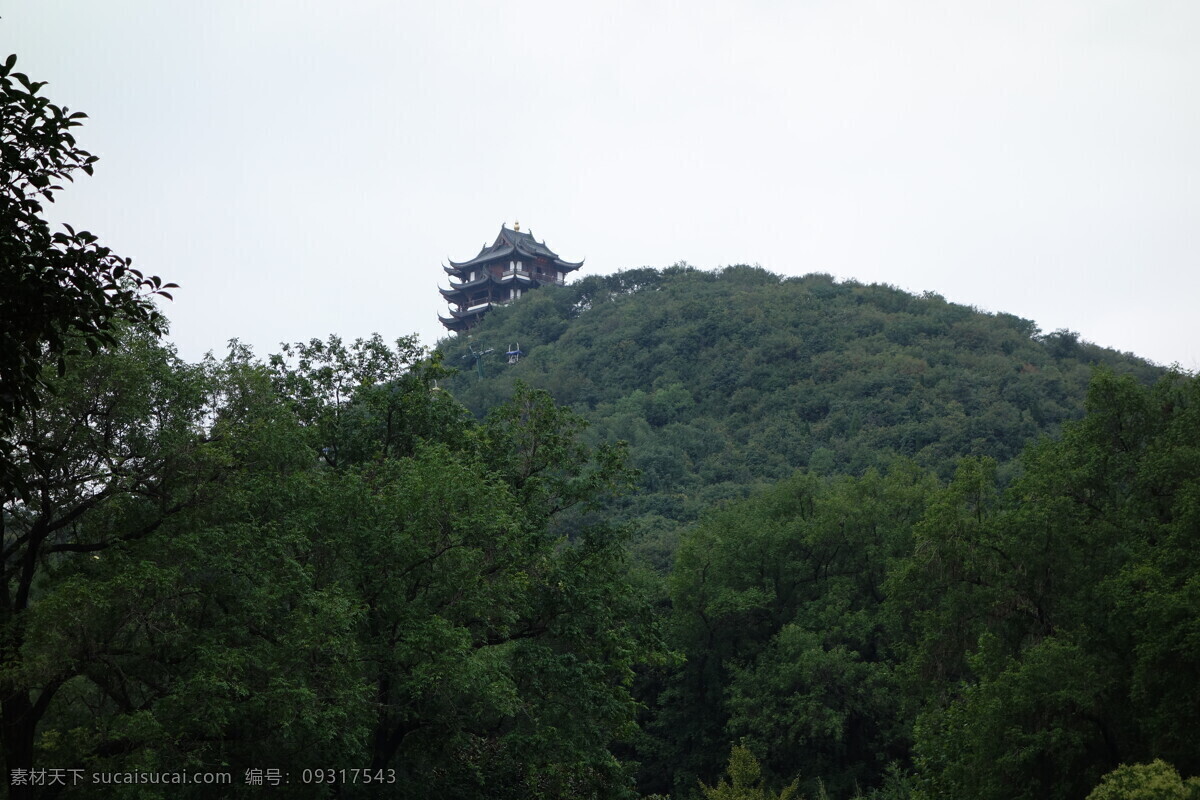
(510, 266)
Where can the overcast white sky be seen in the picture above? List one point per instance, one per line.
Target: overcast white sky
(304, 168)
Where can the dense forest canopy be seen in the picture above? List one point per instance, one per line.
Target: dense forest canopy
(722, 382)
(322, 561)
(720, 535)
(1001, 643)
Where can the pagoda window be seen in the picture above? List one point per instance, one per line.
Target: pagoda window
(471, 278)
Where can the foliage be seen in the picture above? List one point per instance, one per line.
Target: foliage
(1157, 780)
(1057, 624)
(722, 382)
(367, 400)
(157, 614)
(318, 562)
(62, 289)
(778, 605)
(842, 626)
(745, 781)
(1014, 641)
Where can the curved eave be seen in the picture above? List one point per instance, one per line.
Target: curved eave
(472, 312)
(482, 251)
(480, 281)
(453, 324)
(484, 257)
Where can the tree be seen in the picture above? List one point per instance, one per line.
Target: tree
(496, 630)
(745, 781)
(113, 453)
(62, 290)
(777, 374)
(1157, 780)
(1059, 615)
(778, 606)
(199, 584)
(367, 400)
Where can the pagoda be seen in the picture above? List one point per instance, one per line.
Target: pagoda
(510, 266)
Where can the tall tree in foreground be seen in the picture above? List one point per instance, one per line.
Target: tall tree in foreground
(497, 630)
(1077, 599)
(233, 566)
(779, 608)
(113, 453)
(60, 288)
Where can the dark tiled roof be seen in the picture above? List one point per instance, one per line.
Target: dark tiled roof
(480, 281)
(520, 242)
(463, 313)
(456, 325)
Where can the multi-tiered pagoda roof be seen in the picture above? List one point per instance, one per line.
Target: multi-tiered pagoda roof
(502, 272)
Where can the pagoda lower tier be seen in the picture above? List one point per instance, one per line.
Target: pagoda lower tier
(471, 300)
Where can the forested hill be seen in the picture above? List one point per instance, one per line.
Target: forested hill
(723, 380)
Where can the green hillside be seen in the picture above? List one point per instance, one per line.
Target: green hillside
(722, 381)
(905, 548)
